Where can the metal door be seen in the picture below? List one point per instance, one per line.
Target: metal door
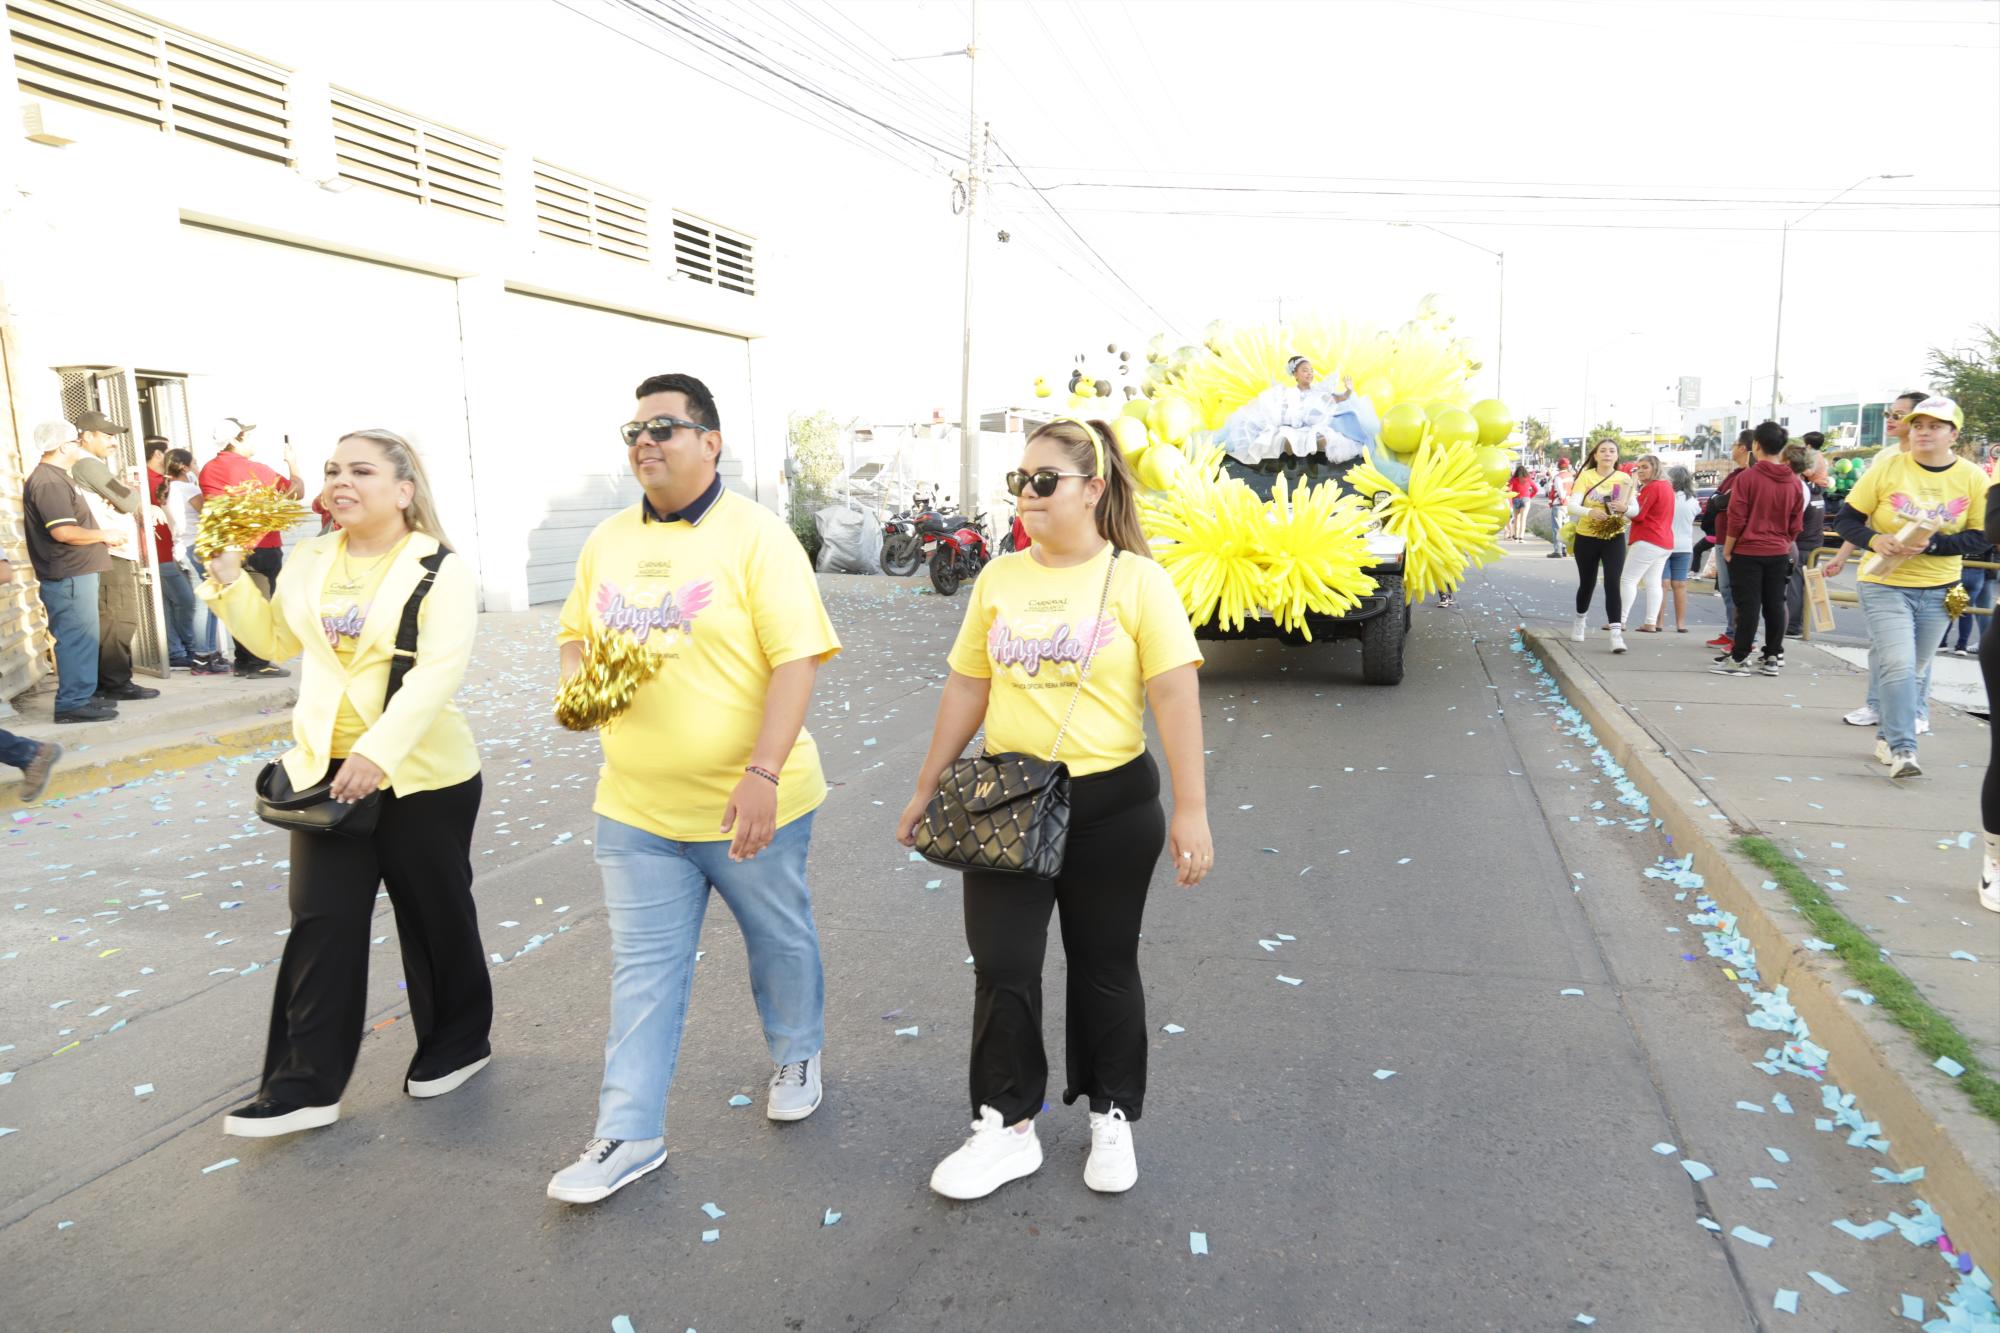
(111, 390)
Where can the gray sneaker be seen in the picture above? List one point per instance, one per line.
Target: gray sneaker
(606, 1166)
(795, 1090)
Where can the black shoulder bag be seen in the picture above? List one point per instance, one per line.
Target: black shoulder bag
(1008, 813)
(313, 810)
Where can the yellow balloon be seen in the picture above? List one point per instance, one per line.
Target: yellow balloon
(1137, 407)
(1042, 389)
(1172, 418)
(1162, 467)
(1130, 433)
(1403, 427)
(1454, 426)
(1496, 423)
(1437, 407)
(1495, 465)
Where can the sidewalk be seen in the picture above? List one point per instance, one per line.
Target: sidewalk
(1726, 757)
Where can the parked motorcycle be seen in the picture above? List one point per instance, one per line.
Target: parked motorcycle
(902, 548)
(1017, 538)
(959, 556)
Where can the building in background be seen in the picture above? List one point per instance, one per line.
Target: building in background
(1848, 420)
(190, 230)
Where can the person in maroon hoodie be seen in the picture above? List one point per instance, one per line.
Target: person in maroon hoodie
(1766, 510)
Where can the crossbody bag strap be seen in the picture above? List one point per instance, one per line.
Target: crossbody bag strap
(405, 655)
(1096, 629)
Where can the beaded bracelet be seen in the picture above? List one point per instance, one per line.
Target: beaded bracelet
(763, 773)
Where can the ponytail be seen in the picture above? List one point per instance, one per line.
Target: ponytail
(1118, 510)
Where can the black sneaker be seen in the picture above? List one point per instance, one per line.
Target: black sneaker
(128, 691)
(266, 672)
(266, 1119)
(181, 663)
(94, 711)
(35, 777)
(212, 666)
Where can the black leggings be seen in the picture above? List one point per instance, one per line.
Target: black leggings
(1590, 553)
(1989, 794)
(1116, 832)
(421, 852)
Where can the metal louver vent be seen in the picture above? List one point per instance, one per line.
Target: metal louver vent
(708, 253)
(577, 209)
(424, 163)
(106, 60)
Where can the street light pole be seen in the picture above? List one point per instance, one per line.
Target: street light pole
(1500, 333)
(968, 428)
(1784, 242)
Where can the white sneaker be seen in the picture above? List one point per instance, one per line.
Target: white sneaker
(1923, 726)
(438, 1087)
(989, 1159)
(605, 1167)
(1882, 754)
(1903, 764)
(1580, 628)
(1111, 1169)
(1863, 716)
(795, 1090)
(1617, 638)
(1989, 875)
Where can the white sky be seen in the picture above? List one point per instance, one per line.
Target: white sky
(1666, 140)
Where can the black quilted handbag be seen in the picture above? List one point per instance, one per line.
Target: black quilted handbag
(1008, 813)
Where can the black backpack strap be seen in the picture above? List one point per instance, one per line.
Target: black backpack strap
(406, 633)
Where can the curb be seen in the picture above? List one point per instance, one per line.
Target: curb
(1927, 1124)
(76, 779)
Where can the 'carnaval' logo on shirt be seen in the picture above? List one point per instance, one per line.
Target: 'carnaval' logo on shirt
(1028, 652)
(1940, 515)
(675, 611)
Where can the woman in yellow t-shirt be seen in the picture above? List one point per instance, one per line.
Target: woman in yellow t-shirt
(1016, 669)
(339, 604)
(1919, 514)
(1599, 499)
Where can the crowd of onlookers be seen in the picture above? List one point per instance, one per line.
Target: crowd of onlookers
(90, 528)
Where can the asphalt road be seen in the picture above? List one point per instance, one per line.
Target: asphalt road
(1432, 849)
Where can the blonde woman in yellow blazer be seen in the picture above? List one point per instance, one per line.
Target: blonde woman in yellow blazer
(338, 603)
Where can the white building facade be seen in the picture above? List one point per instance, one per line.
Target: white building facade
(1848, 420)
(190, 231)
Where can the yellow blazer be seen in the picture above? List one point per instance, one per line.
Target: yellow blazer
(422, 741)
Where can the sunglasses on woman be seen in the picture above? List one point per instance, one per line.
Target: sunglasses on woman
(1043, 479)
(658, 429)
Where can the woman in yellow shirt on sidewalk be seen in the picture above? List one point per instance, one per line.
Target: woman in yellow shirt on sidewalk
(341, 601)
(1031, 628)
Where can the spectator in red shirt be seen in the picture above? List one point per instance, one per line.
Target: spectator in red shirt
(230, 467)
(1650, 540)
(1766, 511)
(176, 589)
(1523, 488)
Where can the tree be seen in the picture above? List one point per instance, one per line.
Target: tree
(1607, 431)
(1536, 434)
(814, 445)
(1970, 377)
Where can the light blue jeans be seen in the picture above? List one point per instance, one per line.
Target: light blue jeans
(1904, 625)
(656, 891)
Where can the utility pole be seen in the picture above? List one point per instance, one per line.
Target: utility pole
(1784, 240)
(968, 425)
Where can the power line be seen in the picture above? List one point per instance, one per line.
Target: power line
(1506, 222)
(1478, 180)
(1474, 194)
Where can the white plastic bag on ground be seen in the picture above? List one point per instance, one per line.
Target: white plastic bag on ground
(850, 540)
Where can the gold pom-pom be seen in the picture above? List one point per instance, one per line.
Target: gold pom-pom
(615, 665)
(1956, 601)
(237, 519)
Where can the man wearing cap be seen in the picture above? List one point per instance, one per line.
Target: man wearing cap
(113, 505)
(66, 549)
(232, 466)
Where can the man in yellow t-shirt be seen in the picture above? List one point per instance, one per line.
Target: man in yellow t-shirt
(710, 780)
(1919, 514)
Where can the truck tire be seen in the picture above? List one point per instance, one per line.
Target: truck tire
(1382, 639)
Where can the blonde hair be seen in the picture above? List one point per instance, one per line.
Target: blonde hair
(1118, 512)
(402, 455)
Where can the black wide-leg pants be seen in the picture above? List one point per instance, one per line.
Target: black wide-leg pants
(1117, 830)
(421, 851)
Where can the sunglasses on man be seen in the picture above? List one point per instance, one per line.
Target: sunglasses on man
(1043, 479)
(658, 429)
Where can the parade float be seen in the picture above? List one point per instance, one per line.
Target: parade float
(1311, 480)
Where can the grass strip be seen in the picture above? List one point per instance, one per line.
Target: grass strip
(1894, 993)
